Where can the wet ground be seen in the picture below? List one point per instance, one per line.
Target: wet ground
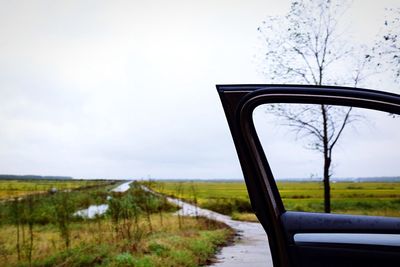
(250, 247)
(97, 210)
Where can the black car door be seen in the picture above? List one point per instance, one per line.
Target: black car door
(308, 238)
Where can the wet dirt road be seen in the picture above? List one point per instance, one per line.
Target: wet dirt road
(250, 247)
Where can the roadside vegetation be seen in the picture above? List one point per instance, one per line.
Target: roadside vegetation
(18, 188)
(138, 229)
(231, 198)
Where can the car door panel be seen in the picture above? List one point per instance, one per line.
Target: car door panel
(301, 238)
(342, 240)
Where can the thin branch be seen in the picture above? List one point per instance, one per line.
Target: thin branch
(307, 63)
(344, 123)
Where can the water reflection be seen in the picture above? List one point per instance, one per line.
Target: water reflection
(98, 210)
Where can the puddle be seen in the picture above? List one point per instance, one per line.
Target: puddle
(250, 247)
(92, 211)
(97, 210)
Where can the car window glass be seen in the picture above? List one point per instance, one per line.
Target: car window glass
(364, 169)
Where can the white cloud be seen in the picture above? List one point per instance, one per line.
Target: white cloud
(123, 88)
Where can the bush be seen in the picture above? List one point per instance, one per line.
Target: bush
(182, 258)
(145, 261)
(228, 206)
(85, 255)
(158, 249)
(124, 259)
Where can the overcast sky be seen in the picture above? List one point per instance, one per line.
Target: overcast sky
(126, 89)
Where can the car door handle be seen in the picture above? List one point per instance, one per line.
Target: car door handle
(348, 238)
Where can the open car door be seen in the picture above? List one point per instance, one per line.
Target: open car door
(308, 238)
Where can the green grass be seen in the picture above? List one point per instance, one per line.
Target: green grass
(137, 230)
(192, 245)
(77, 194)
(17, 188)
(231, 198)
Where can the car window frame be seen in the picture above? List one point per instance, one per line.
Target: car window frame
(263, 192)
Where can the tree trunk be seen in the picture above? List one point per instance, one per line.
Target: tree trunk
(327, 187)
(327, 163)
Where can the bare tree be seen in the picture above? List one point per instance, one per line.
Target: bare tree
(307, 47)
(387, 48)
(16, 216)
(194, 195)
(29, 219)
(179, 194)
(63, 210)
(162, 201)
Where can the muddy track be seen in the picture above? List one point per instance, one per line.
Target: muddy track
(250, 247)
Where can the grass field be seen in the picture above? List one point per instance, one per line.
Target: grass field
(366, 198)
(17, 188)
(94, 243)
(138, 228)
